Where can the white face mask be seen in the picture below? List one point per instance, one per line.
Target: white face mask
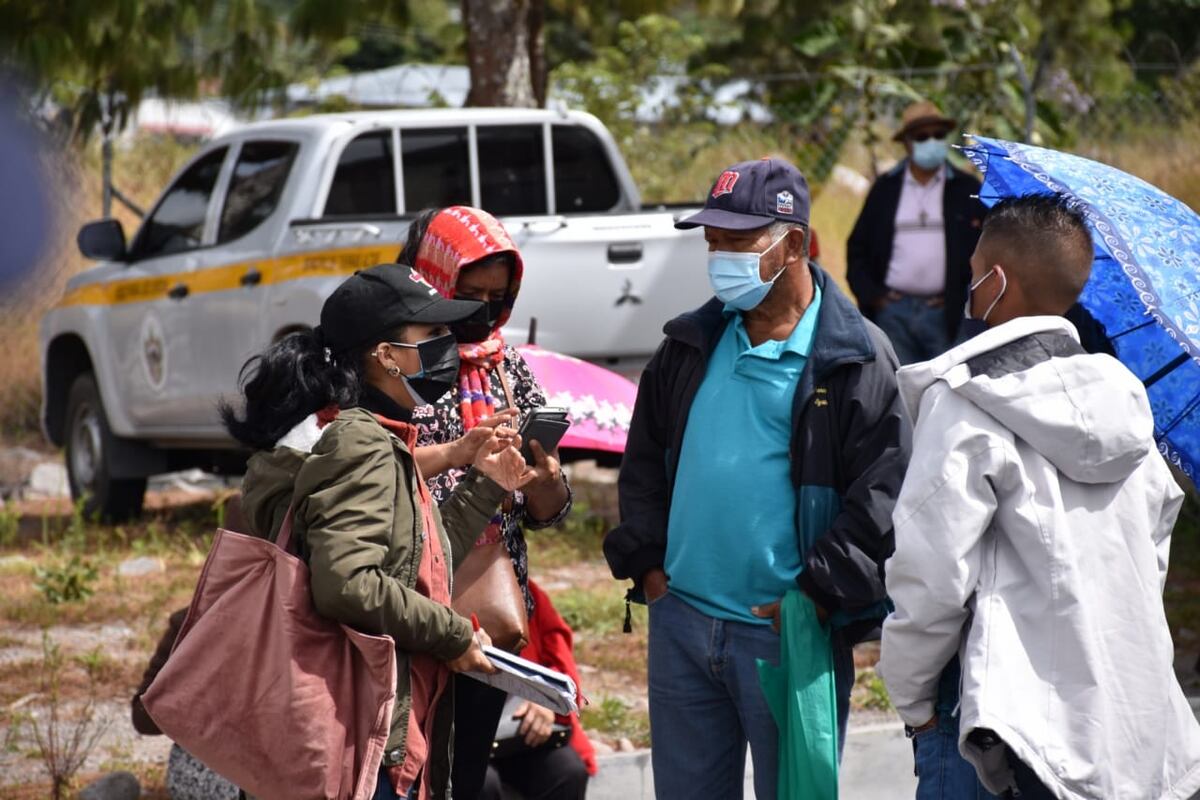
(971, 293)
(930, 154)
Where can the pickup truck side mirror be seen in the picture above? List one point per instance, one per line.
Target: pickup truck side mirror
(102, 240)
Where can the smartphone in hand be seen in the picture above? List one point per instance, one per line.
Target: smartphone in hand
(546, 426)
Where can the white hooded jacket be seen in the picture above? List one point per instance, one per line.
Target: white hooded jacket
(1032, 535)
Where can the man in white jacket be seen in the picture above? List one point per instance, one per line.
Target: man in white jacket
(1032, 534)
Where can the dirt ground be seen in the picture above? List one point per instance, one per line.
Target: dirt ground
(105, 640)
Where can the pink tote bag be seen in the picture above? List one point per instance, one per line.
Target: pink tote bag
(269, 694)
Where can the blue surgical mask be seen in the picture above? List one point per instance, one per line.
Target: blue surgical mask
(929, 154)
(736, 278)
(971, 293)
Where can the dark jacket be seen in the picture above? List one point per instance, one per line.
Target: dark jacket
(869, 248)
(849, 449)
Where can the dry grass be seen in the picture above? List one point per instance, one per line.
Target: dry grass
(1165, 158)
(146, 600)
(115, 677)
(141, 171)
(111, 634)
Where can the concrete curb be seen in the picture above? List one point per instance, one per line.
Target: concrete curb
(877, 765)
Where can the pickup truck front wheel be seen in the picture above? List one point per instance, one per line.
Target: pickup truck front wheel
(89, 444)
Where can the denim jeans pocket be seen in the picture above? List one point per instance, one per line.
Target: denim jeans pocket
(651, 603)
(923, 755)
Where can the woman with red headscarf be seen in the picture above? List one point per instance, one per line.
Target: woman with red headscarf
(465, 253)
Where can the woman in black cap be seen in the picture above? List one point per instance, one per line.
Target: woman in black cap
(327, 413)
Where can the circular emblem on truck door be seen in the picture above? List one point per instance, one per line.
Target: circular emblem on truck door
(154, 352)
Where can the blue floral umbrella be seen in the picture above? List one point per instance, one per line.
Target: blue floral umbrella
(1145, 284)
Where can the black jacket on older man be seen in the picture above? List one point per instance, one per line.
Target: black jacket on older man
(850, 443)
(869, 248)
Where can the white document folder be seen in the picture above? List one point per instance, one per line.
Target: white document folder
(535, 683)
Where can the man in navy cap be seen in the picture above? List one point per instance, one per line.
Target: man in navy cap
(765, 454)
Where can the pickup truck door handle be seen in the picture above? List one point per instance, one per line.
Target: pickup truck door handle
(252, 278)
(178, 291)
(544, 227)
(625, 253)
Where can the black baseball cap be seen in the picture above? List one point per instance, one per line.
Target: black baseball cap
(373, 301)
(752, 194)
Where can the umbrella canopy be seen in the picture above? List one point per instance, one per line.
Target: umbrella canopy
(1145, 282)
(600, 402)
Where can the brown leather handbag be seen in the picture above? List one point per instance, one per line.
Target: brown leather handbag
(485, 584)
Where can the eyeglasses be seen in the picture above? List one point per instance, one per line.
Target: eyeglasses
(921, 137)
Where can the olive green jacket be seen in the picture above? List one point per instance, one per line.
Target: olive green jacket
(357, 523)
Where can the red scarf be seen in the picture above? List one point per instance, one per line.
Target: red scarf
(458, 237)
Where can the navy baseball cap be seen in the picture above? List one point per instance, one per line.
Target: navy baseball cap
(752, 194)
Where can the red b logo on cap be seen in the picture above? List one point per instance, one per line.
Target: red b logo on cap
(724, 184)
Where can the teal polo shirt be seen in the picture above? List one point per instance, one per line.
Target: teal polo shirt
(731, 537)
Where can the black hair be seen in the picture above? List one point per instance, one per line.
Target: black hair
(293, 378)
(416, 232)
(288, 381)
(1044, 239)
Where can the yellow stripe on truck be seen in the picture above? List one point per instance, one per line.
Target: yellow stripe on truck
(314, 264)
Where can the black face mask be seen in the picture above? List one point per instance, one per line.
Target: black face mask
(439, 369)
(473, 331)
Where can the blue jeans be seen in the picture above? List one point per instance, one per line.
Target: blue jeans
(383, 789)
(706, 704)
(917, 330)
(942, 773)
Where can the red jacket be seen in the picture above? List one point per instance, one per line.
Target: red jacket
(551, 645)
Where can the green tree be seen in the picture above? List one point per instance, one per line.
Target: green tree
(1162, 32)
(1017, 62)
(643, 85)
(501, 40)
(504, 52)
(250, 53)
(96, 60)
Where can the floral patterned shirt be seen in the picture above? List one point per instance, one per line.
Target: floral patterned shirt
(441, 423)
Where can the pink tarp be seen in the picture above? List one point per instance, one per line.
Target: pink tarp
(600, 401)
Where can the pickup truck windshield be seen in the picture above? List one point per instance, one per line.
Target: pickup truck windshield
(258, 180)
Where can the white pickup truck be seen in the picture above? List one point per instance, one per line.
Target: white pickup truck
(257, 229)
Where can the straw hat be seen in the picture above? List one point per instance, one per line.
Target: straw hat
(920, 113)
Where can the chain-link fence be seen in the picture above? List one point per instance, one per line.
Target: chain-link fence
(821, 121)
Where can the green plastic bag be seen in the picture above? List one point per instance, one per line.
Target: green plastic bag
(801, 695)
